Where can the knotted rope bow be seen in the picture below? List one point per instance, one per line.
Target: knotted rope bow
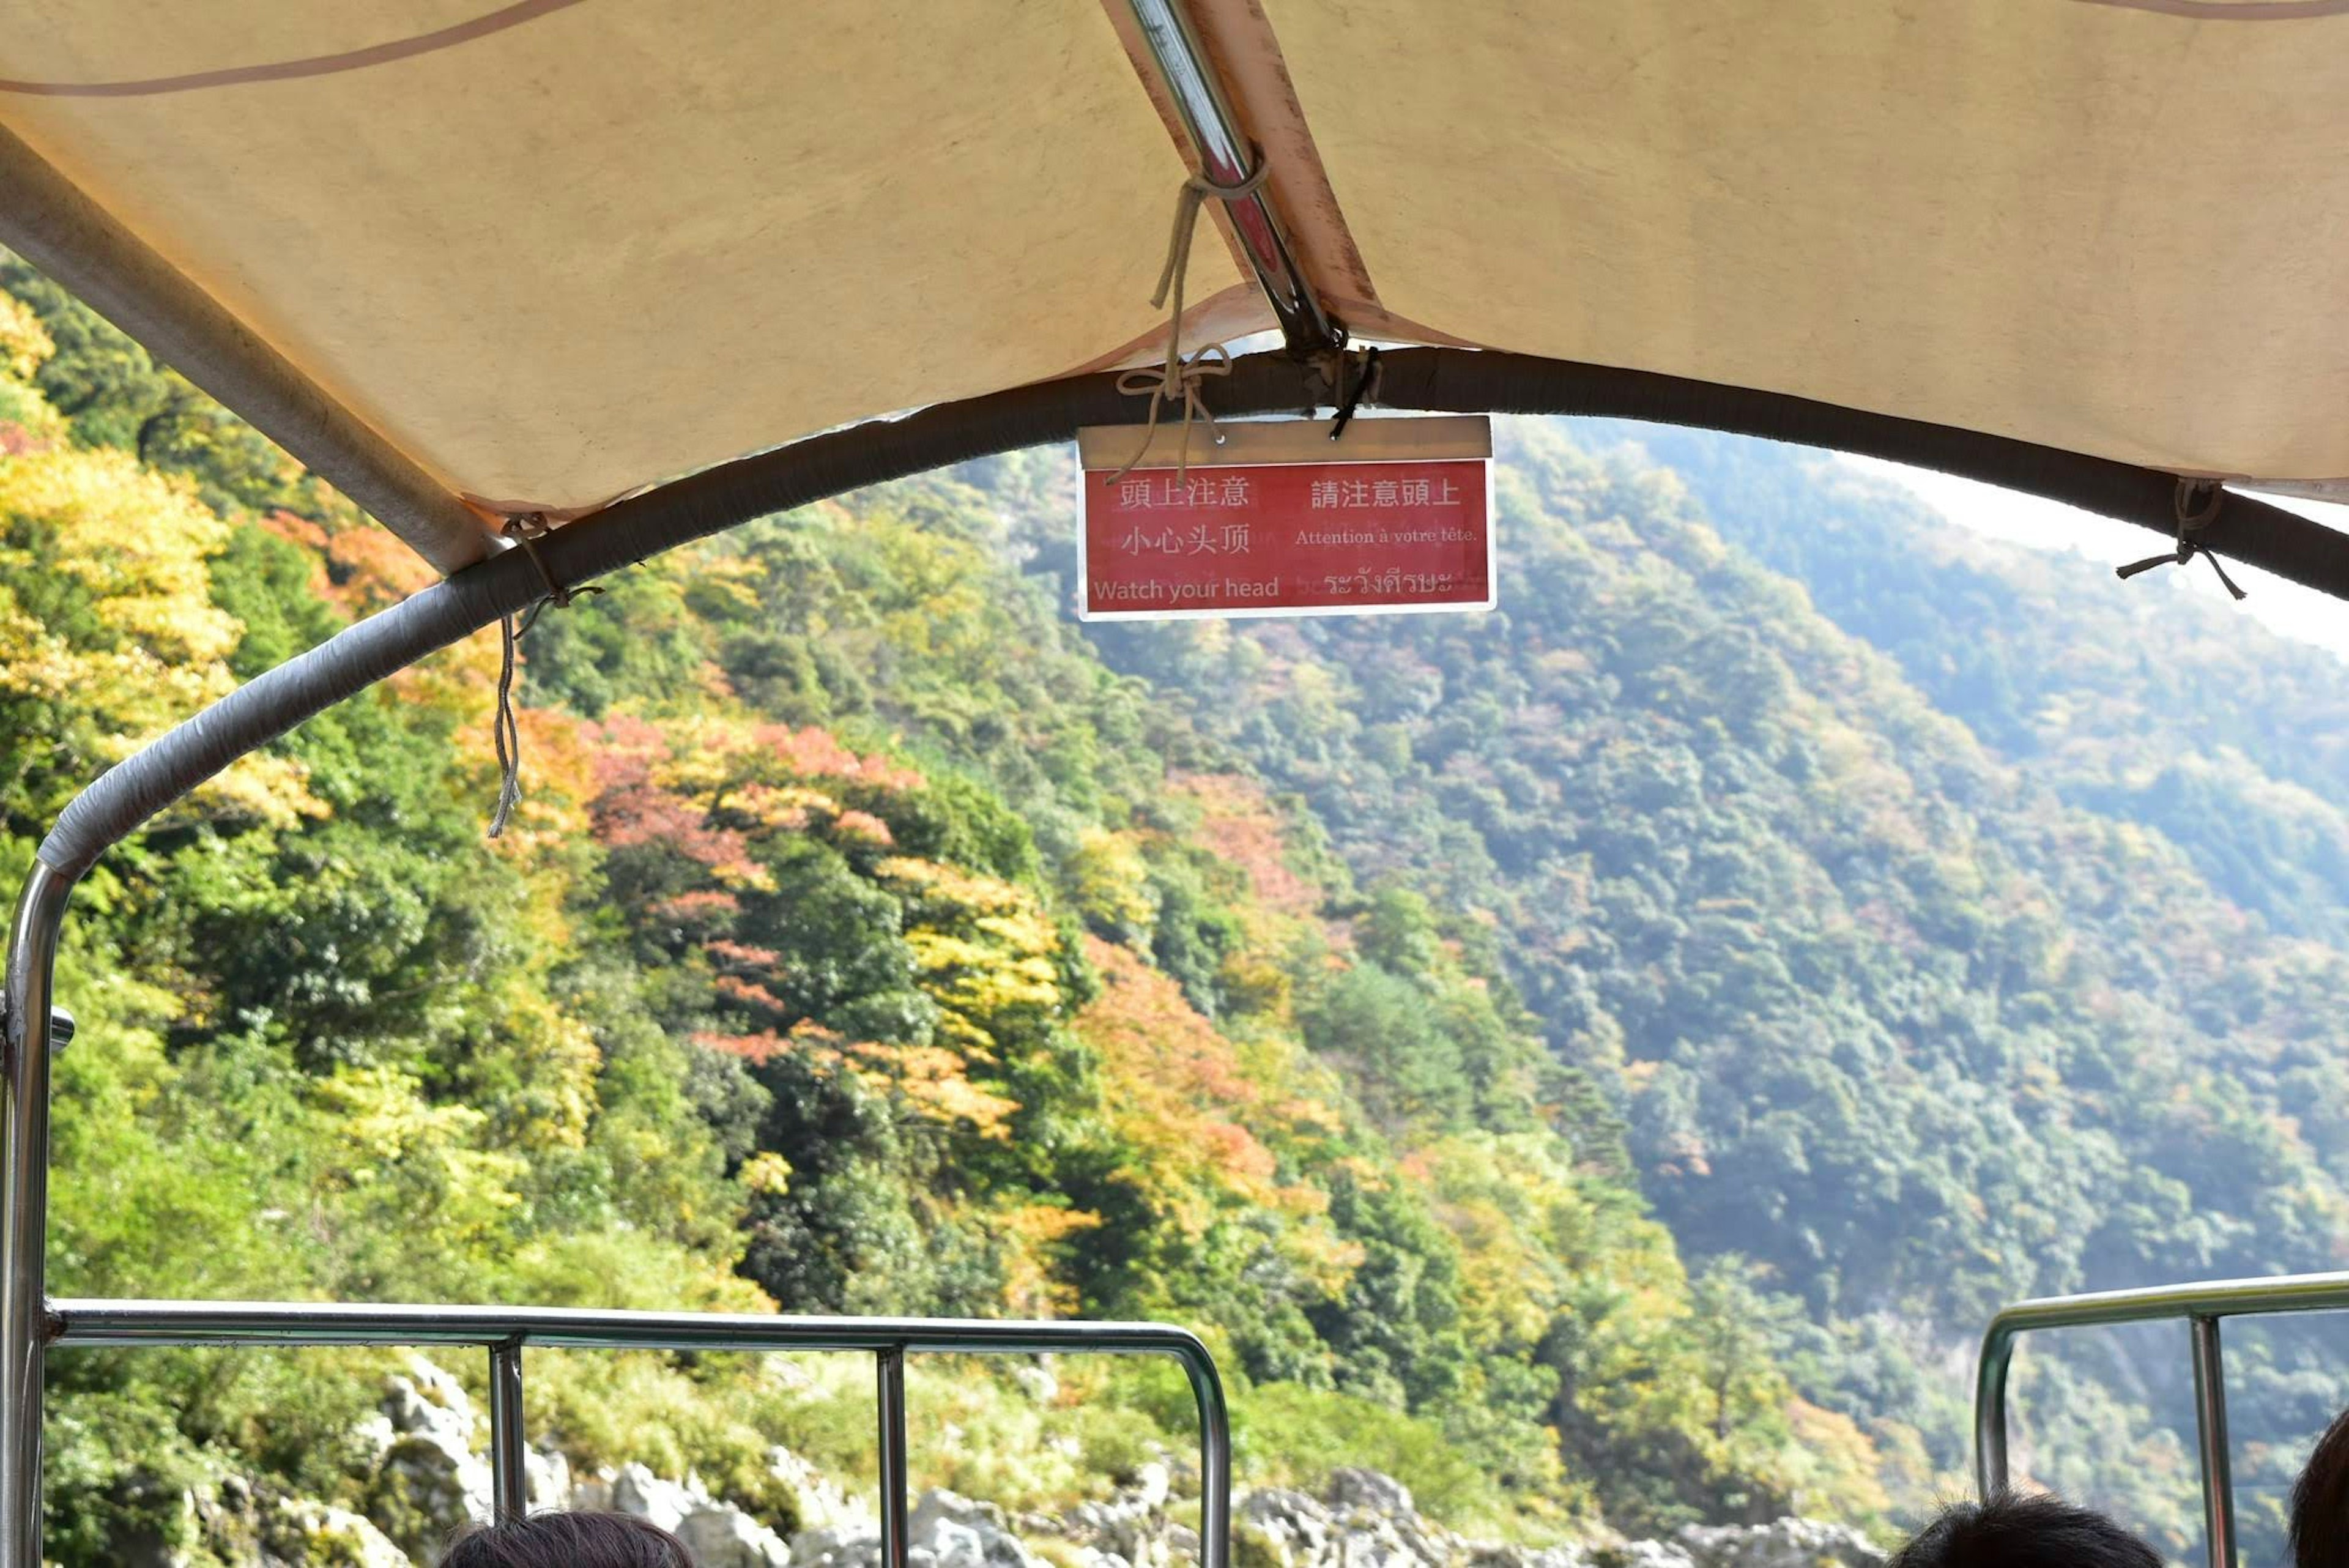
(2196, 504)
(1164, 385)
(525, 530)
(1177, 380)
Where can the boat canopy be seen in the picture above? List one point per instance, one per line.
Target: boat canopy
(636, 272)
(472, 261)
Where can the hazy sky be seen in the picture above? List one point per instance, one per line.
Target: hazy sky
(2283, 607)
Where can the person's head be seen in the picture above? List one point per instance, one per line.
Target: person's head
(2011, 1529)
(2319, 1502)
(569, 1540)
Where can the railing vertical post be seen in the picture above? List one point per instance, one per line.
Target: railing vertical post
(889, 1385)
(24, 1210)
(1215, 1459)
(2210, 1437)
(509, 1468)
(1990, 1410)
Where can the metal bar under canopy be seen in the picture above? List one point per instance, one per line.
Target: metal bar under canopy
(1226, 159)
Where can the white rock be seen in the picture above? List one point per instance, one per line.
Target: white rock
(427, 1480)
(823, 1503)
(335, 1538)
(1366, 1519)
(1296, 1526)
(546, 1478)
(960, 1534)
(950, 1544)
(1782, 1544)
(635, 1490)
(593, 1494)
(835, 1549)
(1351, 1487)
(1036, 1381)
(722, 1536)
(1648, 1554)
(1368, 1523)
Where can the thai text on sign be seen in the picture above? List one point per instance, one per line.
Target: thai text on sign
(1280, 520)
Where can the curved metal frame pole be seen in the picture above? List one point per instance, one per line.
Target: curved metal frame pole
(2211, 1447)
(2201, 1306)
(25, 1209)
(1215, 1457)
(1990, 1408)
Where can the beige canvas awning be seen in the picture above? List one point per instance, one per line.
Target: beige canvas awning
(541, 254)
(2116, 228)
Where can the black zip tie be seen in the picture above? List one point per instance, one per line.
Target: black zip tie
(1363, 385)
(525, 529)
(2196, 504)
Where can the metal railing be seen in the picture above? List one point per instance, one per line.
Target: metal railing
(2201, 1306)
(505, 1331)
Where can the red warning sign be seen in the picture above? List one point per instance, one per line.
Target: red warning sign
(1269, 524)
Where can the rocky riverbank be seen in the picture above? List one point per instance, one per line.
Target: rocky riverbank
(428, 1477)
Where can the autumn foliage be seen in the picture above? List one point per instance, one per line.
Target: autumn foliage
(863, 943)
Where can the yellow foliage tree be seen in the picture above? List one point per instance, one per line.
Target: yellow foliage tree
(108, 632)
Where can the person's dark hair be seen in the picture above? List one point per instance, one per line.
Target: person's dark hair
(568, 1540)
(2319, 1502)
(2011, 1529)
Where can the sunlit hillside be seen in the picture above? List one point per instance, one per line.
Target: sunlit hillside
(1598, 1061)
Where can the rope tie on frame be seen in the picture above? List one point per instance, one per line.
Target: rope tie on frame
(1178, 379)
(525, 529)
(2196, 504)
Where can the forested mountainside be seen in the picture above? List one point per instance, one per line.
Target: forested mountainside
(863, 943)
(1602, 1058)
(2180, 713)
(1929, 973)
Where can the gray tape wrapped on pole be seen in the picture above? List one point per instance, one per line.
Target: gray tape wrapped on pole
(1435, 379)
(1445, 381)
(1451, 380)
(267, 706)
(631, 531)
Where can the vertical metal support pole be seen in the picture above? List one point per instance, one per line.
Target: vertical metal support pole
(509, 1471)
(1225, 157)
(889, 1385)
(1215, 1460)
(25, 1209)
(1990, 1410)
(2210, 1437)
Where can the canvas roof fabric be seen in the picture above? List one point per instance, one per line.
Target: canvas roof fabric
(2119, 228)
(612, 241)
(556, 250)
